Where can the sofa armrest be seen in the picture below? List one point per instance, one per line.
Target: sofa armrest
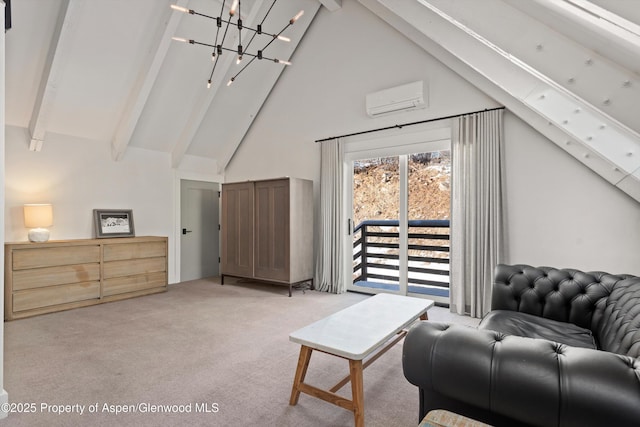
(533, 381)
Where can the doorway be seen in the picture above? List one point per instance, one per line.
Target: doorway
(399, 211)
(199, 236)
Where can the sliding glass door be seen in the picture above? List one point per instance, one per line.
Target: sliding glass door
(398, 209)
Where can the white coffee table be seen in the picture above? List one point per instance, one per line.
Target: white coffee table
(365, 330)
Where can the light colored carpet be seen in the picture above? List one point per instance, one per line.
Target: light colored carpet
(220, 354)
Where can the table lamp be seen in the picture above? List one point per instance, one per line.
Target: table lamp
(37, 217)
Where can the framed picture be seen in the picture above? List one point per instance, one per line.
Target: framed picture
(113, 223)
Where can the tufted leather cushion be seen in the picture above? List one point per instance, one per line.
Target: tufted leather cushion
(618, 329)
(530, 326)
(565, 295)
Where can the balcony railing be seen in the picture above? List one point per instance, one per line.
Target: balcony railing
(376, 255)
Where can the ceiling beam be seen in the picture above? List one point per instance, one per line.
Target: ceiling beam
(140, 94)
(601, 143)
(206, 98)
(259, 98)
(57, 57)
(596, 28)
(332, 5)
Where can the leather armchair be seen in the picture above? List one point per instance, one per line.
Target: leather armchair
(559, 348)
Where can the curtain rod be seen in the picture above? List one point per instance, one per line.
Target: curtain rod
(409, 124)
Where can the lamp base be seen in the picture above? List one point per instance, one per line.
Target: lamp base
(38, 235)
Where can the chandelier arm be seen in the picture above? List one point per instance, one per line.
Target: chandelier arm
(250, 41)
(254, 57)
(268, 11)
(228, 22)
(238, 25)
(216, 46)
(246, 65)
(217, 27)
(275, 36)
(261, 22)
(213, 69)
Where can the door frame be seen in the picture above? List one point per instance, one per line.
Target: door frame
(437, 138)
(213, 189)
(177, 216)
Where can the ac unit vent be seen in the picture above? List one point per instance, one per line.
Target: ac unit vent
(401, 98)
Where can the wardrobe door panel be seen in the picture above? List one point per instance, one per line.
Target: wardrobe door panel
(272, 246)
(237, 229)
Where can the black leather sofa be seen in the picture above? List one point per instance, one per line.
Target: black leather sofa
(560, 347)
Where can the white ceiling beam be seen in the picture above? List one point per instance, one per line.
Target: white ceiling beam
(57, 57)
(592, 137)
(332, 5)
(594, 27)
(254, 106)
(140, 94)
(202, 105)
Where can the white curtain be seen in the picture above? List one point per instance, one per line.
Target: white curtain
(329, 265)
(477, 215)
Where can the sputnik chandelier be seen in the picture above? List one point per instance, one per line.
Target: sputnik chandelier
(241, 51)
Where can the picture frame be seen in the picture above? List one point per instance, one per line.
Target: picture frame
(113, 223)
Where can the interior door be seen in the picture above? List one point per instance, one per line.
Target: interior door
(200, 238)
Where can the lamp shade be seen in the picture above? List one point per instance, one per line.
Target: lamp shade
(38, 215)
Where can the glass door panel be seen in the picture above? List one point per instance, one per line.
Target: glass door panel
(375, 217)
(399, 223)
(428, 214)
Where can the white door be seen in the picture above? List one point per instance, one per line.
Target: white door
(199, 237)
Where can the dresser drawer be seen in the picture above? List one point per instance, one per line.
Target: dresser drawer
(134, 251)
(47, 257)
(51, 276)
(55, 295)
(141, 282)
(134, 267)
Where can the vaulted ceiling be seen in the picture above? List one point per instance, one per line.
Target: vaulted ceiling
(109, 70)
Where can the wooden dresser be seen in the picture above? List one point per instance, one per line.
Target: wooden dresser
(64, 274)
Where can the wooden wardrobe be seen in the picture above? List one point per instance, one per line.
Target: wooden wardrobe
(267, 231)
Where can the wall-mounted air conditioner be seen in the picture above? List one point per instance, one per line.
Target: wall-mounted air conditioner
(401, 98)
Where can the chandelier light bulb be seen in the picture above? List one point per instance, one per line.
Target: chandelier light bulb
(208, 84)
(234, 6)
(239, 59)
(179, 39)
(284, 39)
(179, 8)
(280, 61)
(230, 81)
(295, 18)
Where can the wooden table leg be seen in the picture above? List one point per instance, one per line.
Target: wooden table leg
(301, 372)
(424, 316)
(357, 390)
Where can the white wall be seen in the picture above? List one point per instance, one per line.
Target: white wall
(344, 55)
(77, 176)
(559, 213)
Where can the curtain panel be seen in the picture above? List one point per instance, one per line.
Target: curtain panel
(329, 263)
(477, 233)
